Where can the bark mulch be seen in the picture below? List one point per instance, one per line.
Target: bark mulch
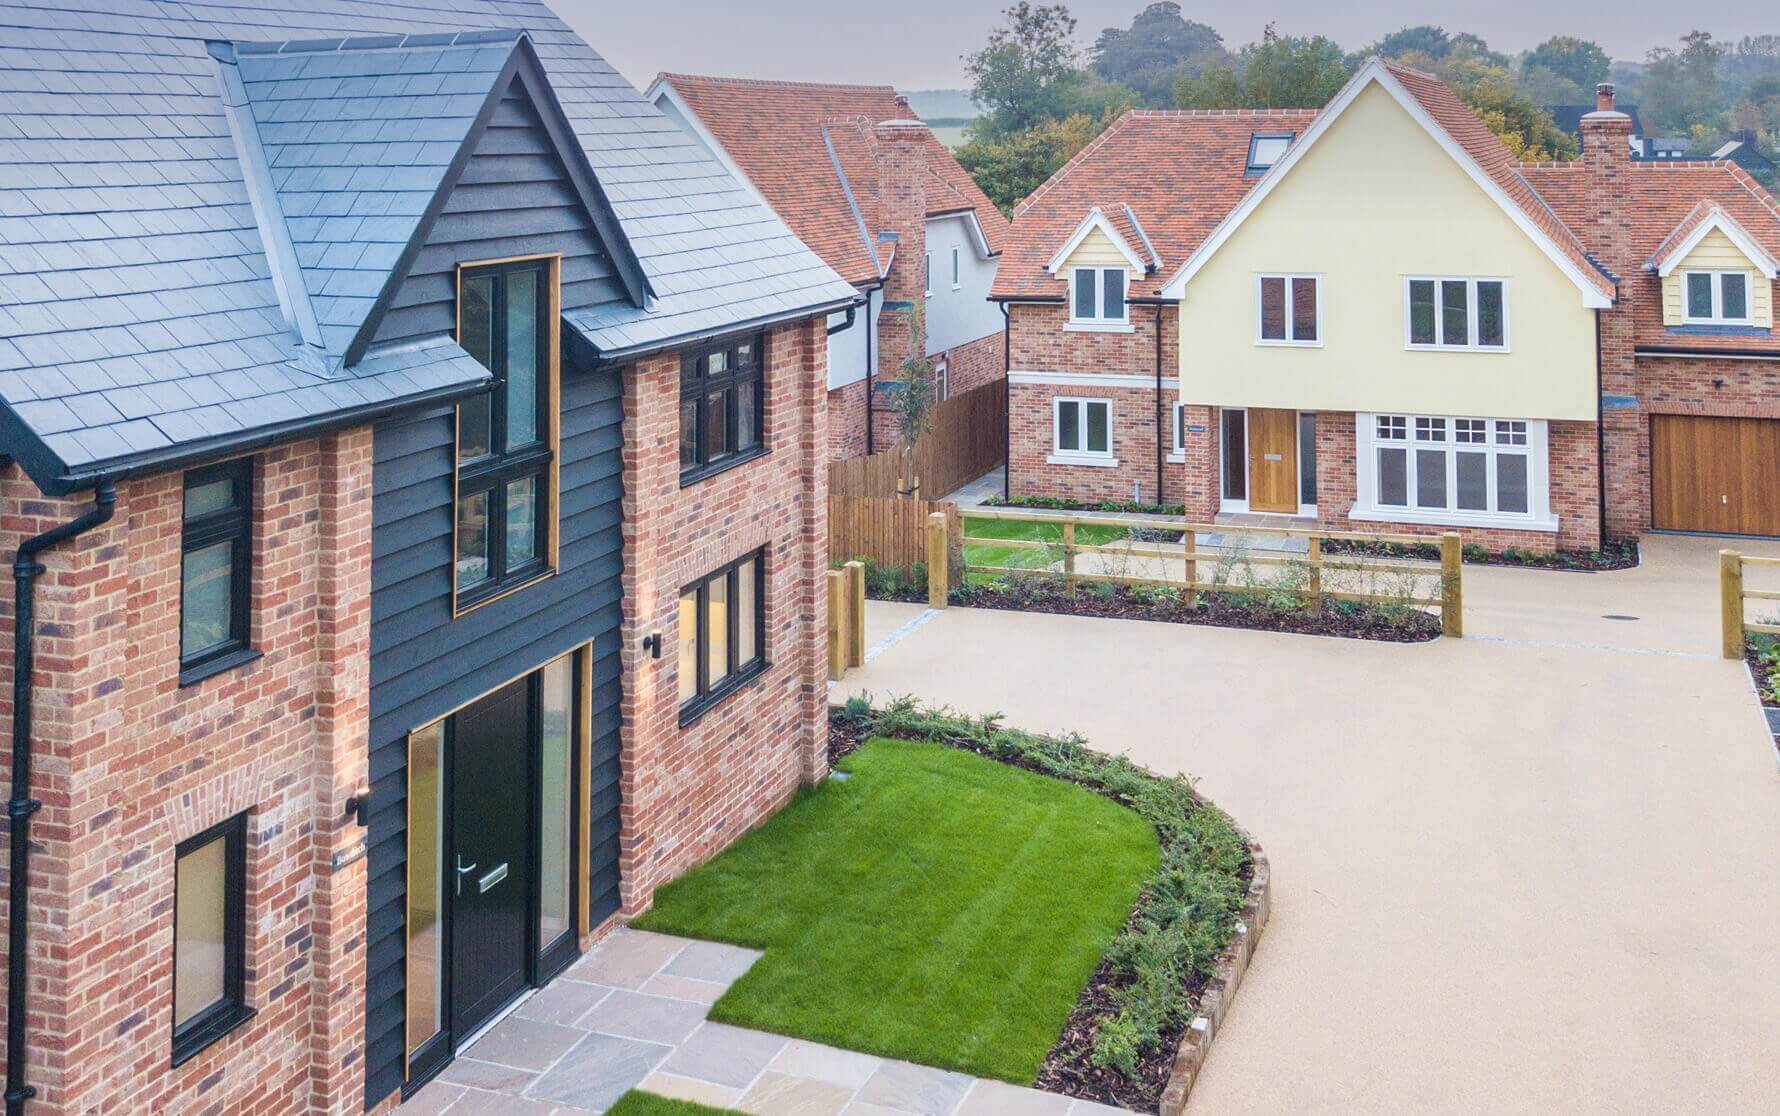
(1766, 674)
(1613, 556)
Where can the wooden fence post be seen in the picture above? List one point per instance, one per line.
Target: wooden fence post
(1730, 601)
(939, 581)
(1191, 539)
(1069, 556)
(1452, 586)
(837, 625)
(1316, 573)
(855, 613)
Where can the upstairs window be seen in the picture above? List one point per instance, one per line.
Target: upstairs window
(1716, 297)
(927, 274)
(1290, 310)
(506, 439)
(1098, 296)
(215, 568)
(722, 401)
(956, 268)
(1457, 314)
(1266, 149)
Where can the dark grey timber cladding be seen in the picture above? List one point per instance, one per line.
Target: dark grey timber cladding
(425, 664)
(514, 199)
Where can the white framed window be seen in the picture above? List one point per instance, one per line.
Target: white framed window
(1289, 310)
(1715, 297)
(1455, 314)
(1178, 446)
(927, 274)
(957, 272)
(1097, 297)
(1081, 432)
(942, 385)
(1453, 471)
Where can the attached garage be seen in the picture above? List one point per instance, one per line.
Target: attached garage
(1720, 475)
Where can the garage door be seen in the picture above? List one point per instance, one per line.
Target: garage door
(1715, 474)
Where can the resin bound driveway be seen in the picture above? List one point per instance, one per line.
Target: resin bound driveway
(1533, 870)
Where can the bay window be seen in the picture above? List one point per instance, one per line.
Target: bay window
(1716, 297)
(1441, 469)
(1457, 314)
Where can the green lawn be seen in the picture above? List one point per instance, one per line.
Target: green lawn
(635, 1103)
(937, 906)
(1023, 557)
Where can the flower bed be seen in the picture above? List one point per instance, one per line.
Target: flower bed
(1614, 556)
(1121, 1041)
(1058, 503)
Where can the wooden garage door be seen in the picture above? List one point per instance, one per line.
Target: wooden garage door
(1715, 474)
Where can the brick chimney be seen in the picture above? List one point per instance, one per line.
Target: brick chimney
(1607, 168)
(902, 213)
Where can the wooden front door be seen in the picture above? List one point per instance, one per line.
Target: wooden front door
(1715, 474)
(1272, 461)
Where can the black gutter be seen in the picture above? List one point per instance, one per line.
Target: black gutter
(1600, 433)
(1687, 351)
(631, 353)
(20, 805)
(1007, 404)
(852, 315)
(1158, 500)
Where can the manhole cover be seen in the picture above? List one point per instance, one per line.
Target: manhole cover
(1618, 616)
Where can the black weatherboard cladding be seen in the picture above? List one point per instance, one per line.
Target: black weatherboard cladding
(513, 200)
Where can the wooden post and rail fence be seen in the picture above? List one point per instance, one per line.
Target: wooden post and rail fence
(1733, 596)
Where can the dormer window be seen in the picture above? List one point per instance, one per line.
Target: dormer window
(1716, 297)
(1265, 149)
(1097, 296)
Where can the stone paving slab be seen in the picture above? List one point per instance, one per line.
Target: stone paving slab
(632, 1014)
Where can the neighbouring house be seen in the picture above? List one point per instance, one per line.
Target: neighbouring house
(1742, 151)
(855, 174)
(1372, 317)
(415, 454)
(1569, 118)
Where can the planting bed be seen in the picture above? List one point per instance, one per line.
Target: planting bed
(1614, 556)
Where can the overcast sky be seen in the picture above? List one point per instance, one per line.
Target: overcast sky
(916, 44)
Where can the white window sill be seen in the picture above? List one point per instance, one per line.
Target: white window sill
(1456, 348)
(1453, 519)
(1730, 323)
(1089, 460)
(1264, 343)
(1099, 327)
(1178, 457)
(957, 286)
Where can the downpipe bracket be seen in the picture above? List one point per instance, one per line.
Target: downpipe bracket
(23, 808)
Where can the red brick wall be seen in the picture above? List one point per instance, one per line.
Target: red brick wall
(846, 422)
(129, 763)
(687, 793)
(974, 363)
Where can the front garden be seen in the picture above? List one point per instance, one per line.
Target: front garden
(977, 898)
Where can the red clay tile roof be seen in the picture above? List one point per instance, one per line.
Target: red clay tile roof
(1180, 172)
(779, 132)
(1662, 197)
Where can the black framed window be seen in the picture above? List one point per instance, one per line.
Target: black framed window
(215, 569)
(504, 451)
(722, 407)
(209, 936)
(722, 633)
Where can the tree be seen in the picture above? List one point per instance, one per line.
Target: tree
(1008, 167)
(1681, 86)
(1425, 39)
(1158, 49)
(1280, 71)
(1015, 76)
(1570, 58)
(1526, 129)
(915, 399)
(1546, 87)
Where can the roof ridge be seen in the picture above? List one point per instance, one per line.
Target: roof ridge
(1164, 114)
(666, 75)
(381, 42)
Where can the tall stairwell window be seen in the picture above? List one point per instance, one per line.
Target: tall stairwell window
(506, 439)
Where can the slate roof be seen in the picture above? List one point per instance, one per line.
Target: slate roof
(139, 313)
(1665, 201)
(1179, 172)
(811, 150)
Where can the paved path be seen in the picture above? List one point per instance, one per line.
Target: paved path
(1536, 870)
(631, 1014)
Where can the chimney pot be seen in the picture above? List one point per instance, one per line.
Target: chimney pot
(1604, 97)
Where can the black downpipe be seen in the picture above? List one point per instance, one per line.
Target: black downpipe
(1600, 434)
(1007, 404)
(1157, 500)
(20, 806)
(871, 330)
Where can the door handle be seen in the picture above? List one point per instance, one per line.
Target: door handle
(495, 875)
(462, 871)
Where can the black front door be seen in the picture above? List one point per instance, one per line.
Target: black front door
(490, 880)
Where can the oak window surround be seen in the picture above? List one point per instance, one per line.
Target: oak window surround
(507, 439)
(722, 406)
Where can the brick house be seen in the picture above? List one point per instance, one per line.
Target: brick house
(1371, 316)
(420, 537)
(863, 182)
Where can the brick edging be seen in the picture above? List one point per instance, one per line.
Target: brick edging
(1220, 990)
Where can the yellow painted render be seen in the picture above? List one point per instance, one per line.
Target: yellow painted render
(1375, 201)
(1096, 250)
(1716, 252)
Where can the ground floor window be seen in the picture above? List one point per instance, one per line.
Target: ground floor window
(942, 381)
(209, 936)
(722, 633)
(1445, 469)
(1081, 430)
